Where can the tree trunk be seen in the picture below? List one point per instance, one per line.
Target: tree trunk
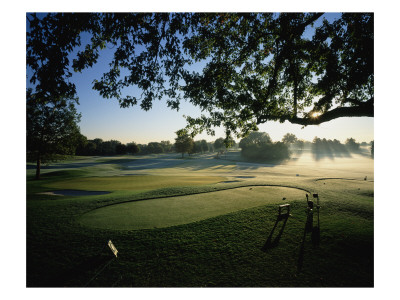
(38, 168)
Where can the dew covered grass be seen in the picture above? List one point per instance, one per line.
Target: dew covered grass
(223, 248)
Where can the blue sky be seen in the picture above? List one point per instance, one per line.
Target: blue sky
(103, 118)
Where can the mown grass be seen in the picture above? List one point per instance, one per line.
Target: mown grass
(221, 251)
(165, 212)
(133, 183)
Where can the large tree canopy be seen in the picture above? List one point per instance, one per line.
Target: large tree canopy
(240, 69)
(52, 131)
(183, 142)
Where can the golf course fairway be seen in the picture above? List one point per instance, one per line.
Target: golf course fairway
(133, 183)
(166, 212)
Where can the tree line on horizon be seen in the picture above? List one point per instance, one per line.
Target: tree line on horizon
(330, 148)
(258, 146)
(55, 136)
(100, 147)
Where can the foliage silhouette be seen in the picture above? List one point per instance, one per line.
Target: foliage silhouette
(257, 66)
(52, 131)
(328, 148)
(183, 142)
(258, 146)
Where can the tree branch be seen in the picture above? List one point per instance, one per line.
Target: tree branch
(365, 109)
(312, 19)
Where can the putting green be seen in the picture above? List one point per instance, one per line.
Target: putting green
(165, 212)
(133, 183)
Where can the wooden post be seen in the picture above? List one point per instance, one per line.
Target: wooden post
(283, 215)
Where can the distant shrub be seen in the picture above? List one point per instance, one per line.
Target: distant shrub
(266, 151)
(352, 145)
(328, 146)
(372, 148)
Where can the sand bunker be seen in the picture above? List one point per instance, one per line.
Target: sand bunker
(74, 193)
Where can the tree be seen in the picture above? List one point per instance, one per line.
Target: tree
(257, 66)
(109, 147)
(219, 144)
(211, 147)
(299, 144)
(167, 146)
(132, 148)
(52, 132)
(155, 147)
(258, 146)
(183, 142)
(255, 137)
(262, 69)
(90, 148)
(82, 144)
(99, 146)
(372, 148)
(204, 146)
(121, 149)
(352, 145)
(316, 145)
(196, 147)
(289, 138)
(142, 148)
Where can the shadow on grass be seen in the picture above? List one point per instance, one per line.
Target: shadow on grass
(98, 160)
(315, 237)
(318, 155)
(63, 174)
(273, 242)
(84, 272)
(63, 166)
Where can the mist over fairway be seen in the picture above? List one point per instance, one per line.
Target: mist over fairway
(163, 171)
(231, 166)
(302, 164)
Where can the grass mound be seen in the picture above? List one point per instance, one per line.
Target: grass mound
(166, 212)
